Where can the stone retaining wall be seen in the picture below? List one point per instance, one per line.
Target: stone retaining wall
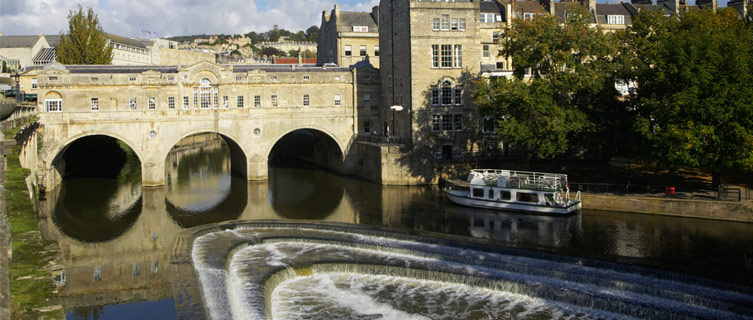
(5, 246)
(704, 209)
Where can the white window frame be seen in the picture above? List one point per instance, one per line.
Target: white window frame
(306, 100)
(461, 27)
(616, 19)
(34, 83)
(348, 51)
(445, 23)
(53, 105)
(274, 100)
(435, 24)
(133, 103)
(454, 24)
(338, 100)
(239, 101)
(171, 102)
(486, 51)
(185, 102)
(362, 51)
(457, 54)
(528, 15)
(152, 103)
(257, 101)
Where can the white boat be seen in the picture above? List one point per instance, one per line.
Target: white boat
(536, 192)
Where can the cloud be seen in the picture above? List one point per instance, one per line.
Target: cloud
(171, 17)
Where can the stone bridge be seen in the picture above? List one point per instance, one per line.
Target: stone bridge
(151, 108)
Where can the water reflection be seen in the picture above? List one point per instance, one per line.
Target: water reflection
(95, 210)
(117, 239)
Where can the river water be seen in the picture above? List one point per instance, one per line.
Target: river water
(117, 238)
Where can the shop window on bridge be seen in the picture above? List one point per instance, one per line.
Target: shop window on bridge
(337, 100)
(132, 103)
(306, 101)
(171, 102)
(53, 105)
(257, 101)
(152, 103)
(274, 100)
(205, 95)
(185, 102)
(95, 104)
(240, 101)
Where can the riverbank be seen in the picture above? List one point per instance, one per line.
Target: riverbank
(738, 211)
(32, 293)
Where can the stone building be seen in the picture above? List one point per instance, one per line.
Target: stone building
(127, 51)
(346, 38)
(433, 50)
(19, 51)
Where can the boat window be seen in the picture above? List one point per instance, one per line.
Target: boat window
(478, 193)
(504, 195)
(527, 197)
(491, 194)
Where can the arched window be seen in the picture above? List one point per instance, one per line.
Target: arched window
(205, 95)
(447, 93)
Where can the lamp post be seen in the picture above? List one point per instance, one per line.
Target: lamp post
(395, 108)
(16, 75)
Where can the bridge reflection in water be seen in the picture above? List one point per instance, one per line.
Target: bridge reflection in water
(119, 240)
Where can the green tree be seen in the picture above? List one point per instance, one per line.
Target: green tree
(312, 33)
(561, 72)
(5, 67)
(85, 42)
(694, 96)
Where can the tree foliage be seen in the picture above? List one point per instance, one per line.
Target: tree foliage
(694, 94)
(85, 42)
(561, 72)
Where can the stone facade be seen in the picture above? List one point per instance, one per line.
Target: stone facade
(433, 52)
(347, 38)
(151, 108)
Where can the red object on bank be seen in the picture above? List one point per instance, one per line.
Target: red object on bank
(669, 190)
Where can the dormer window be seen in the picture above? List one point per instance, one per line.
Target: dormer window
(615, 19)
(528, 15)
(360, 29)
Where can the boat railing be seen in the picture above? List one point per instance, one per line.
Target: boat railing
(521, 179)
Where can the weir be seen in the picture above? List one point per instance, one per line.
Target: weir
(247, 270)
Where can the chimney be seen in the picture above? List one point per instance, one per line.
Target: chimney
(300, 56)
(672, 5)
(705, 4)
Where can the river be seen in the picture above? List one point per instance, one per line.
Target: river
(116, 237)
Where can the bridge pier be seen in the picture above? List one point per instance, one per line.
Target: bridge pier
(153, 174)
(256, 169)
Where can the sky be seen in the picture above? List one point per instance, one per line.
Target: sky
(177, 17)
(172, 17)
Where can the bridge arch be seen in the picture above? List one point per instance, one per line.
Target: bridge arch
(326, 150)
(238, 153)
(325, 131)
(54, 158)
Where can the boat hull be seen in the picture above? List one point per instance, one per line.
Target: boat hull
(463, 198)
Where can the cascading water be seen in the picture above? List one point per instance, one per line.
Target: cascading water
(261, 270)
